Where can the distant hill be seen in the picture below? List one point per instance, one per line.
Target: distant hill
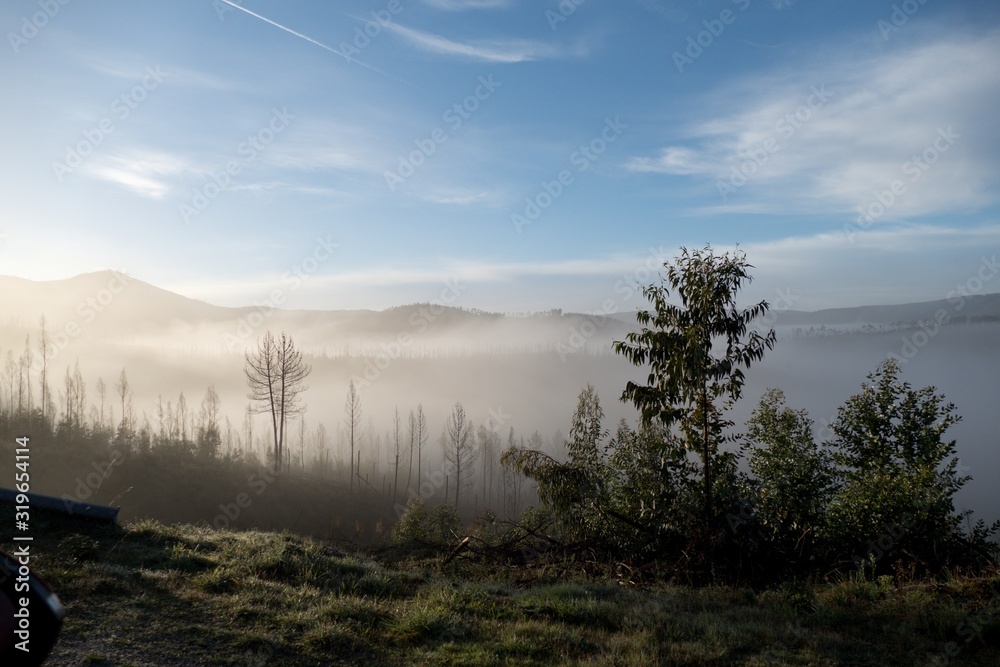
(108, 305)
(978, 306)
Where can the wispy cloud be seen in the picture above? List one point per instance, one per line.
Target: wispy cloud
(295, 188)
(130, 67)
(330, 145)
(880, 122)
(671, 160)
(497, 51)
(893, 264)
(145, 173)
(462, 197)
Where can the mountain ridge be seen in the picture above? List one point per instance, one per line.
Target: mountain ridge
(88, 293)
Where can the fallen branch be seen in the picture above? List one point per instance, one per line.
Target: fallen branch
(462, 546)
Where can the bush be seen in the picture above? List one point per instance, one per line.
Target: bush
(444, 524)
(437, 527)
(412, 525)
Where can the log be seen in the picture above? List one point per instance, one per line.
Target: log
(63, 506)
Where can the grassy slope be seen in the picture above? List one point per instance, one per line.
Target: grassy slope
(149, 594)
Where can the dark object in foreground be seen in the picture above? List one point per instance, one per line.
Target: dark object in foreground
(63, 506)
(33, 626)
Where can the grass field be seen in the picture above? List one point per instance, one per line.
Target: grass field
(148, 594)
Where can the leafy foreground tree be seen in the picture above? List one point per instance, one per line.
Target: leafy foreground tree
(578, 489)
(896, 481)
(793, 480)
(642, 494)
(689, 386)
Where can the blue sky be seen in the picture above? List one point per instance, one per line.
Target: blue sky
(501, 154)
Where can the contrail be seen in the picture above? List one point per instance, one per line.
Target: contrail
(310, 39)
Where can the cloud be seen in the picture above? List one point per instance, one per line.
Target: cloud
(497, 51)
(888, 264)
(672, 160)
(145, 173)
(831, 137)
(269, 187)
(331, 145)
(129, 67)
(461, 197)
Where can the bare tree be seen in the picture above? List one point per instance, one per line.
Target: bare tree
(81, 393)
(352, 419)
(125, 395)
(276, 376)
(76, 397)
(24, 379)
(397, 450)
(102, 393)
(322, 455)
(69, 416)
(209, 438)
(421, 439)
(182, 416)
(411, 436)
(513, 481)
(248, 425)
(229, 437)
(10, 374)
(489, 446)
(302, 442)
(460, 452)
(43, 347)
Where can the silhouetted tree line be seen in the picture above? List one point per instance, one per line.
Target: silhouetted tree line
(186, 461)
